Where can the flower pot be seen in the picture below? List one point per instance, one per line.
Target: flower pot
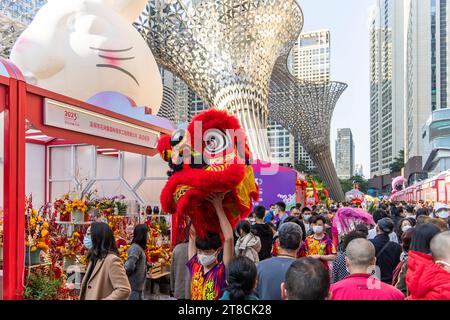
(87, 217)
(64, 217)
(78, 217)
(32, 257)
(69, 261)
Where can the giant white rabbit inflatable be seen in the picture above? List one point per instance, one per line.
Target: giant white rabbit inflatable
(80, 48)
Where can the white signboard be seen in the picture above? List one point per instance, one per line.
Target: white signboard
(65, 116)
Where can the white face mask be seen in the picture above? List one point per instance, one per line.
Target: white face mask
(406, 228)
(443, 214)
(318, 229)
(206, 260)
(306, 217)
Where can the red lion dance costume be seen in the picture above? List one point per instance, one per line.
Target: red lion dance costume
(211, 156)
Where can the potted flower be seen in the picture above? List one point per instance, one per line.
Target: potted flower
(70, 248)
(105, 206)
(121, 205)
(36, 231)
(63, 208)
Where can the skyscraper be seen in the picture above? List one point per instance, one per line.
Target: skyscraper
(281, 144)
(167, 109)
(387, 85)
(310, 57)
(309, 60)
(345, 154)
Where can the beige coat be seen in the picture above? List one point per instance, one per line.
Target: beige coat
(108, 281)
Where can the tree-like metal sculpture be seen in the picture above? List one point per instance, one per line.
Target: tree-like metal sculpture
(14, 18)
(225, 51)
(305, 109)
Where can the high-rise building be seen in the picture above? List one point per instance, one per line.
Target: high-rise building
(302, 156)
(387, 85)
(181, 101)
(421, 91)
(309, 60)
(345, 154)
(426, 78)
(281, 144)
(167, 109)
(359, 170)
(310, 57)
(196, 104)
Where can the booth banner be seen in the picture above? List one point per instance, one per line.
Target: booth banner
(65, 116)
(276, 187)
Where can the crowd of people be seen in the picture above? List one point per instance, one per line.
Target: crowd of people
(281, 255)
(277, 254)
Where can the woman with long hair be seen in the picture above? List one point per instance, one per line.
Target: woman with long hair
(105, 277)
(136, 264)
(241, 280)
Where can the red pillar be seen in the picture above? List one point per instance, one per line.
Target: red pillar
(14, 185)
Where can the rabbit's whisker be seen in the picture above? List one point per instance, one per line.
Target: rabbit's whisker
(116, 58)
(111, 50)
(120, 69)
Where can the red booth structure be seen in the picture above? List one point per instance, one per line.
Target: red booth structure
(27, 106)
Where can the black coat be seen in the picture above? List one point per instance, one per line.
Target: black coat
(388, 256)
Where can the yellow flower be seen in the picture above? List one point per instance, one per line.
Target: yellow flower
(33, 211)
(32, 221)
(43, 246)
(44, 232)
(33, 248)
(45, 225)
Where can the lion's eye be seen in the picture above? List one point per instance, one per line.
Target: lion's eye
(216, 141)
(177, 137)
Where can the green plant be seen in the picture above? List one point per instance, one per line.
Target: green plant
(41, 287)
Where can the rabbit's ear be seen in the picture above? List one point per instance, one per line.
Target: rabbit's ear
(129, 9)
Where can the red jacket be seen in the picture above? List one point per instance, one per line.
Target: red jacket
(425, 279)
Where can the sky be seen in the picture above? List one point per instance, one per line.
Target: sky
(348, 22)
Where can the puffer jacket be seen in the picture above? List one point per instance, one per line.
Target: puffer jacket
(248, 246)
(425, 279)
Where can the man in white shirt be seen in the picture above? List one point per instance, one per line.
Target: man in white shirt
(378, 215)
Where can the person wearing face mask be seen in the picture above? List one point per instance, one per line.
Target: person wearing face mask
(305, 217)
(319, 245)
(208, 275)
(105, 278)
(404, 225)
(428, 276)
(270, 216)
(441, 211)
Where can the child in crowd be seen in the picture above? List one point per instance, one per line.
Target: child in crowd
(207, 273)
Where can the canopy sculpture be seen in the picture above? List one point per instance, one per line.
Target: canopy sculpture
(305, 109)
(14, 18)
(225, 51)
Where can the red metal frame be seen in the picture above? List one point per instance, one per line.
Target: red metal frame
(14, 93)
(23, 101)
